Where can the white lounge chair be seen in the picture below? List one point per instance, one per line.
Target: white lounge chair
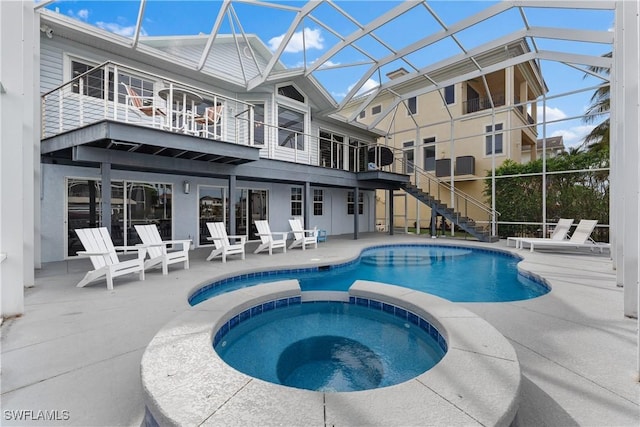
(99, 248)
(269, 239)
(144, 105)
(223, 246)
(302, 237)
(560, 232)
(157, 249)
(581, 238)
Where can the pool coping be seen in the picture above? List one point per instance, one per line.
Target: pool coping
(186, 383)
(203, 287)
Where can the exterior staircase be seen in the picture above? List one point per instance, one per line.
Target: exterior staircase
(440, 208)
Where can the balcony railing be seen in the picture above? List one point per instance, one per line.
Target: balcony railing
(483, 103)
(119, 93)
(115, 92)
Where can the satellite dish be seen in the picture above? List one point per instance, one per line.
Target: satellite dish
(381, 156)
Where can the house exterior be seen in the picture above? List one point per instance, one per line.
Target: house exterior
(452, 137)
(553, 146)
(135, 137)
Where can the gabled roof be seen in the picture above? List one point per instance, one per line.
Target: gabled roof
(356, 42)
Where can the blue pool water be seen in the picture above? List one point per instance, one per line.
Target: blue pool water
(456, 273)
(330, 346)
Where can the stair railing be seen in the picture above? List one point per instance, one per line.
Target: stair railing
(464, 204)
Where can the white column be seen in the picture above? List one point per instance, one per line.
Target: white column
(627, 131)
(17, 35)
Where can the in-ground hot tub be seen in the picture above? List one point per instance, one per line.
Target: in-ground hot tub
(186, 382)
(330, 346)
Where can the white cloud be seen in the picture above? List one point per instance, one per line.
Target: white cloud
(552, 114)
(300, 64)
(121, 30)
(338, 95)
(312, 40)
(573, 136)
(369, 85)
(328, 63)
(82, 14)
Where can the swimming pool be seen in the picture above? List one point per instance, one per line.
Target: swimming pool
(459, 274)
(331, 346)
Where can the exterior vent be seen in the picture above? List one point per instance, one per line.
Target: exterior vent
(465, 165)
(443, 167)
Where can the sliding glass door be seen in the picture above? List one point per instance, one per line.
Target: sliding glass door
(131, 203)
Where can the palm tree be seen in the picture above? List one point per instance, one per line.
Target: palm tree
(599, 107)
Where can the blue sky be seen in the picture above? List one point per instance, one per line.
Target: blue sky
(167, 17)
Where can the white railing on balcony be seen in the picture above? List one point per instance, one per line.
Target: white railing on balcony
(116, 92)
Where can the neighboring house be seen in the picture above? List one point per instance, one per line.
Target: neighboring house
(456, 133)
(134, 136)
(554, 146)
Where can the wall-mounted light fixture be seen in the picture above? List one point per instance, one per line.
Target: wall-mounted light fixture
(186, 186)
(47, 30)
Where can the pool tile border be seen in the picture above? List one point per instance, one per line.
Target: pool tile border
(218, 283)
(373, 304)
(186, 383)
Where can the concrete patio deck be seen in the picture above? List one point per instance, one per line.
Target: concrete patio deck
(78, 351)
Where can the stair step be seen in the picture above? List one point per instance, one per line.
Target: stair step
(467, 224)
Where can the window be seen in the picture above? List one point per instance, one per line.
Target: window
(408, 157)
(429, 154)
(296, 201)
(131, 203)
(412, 106)
(362, 114)
(357, 155)
(331, 150)
(498, 139)
(449, 94)
(376, 110)
(291, 92)
(351, 203)
(258, 124)
(92, 83)
(290, 128)
(318, 202)
(213, 206)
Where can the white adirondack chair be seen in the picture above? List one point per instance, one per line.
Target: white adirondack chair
(157, 249)
(302, 237)
(269, 239)
(99, 248)
(223, 246)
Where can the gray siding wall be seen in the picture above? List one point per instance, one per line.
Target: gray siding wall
(52, 67)
(334, 219)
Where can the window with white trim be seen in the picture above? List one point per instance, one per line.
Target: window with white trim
(318, 202)
(90, 82)
(290, 128)
(296, 201)
(409, 156)
(331, 150)
(351, 203)
(429, 153)
(498, 139)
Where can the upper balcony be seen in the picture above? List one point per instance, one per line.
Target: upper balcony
(115, 114)
(480, 103)
(123, 94)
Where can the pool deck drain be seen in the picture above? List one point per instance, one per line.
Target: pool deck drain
(476, 383)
